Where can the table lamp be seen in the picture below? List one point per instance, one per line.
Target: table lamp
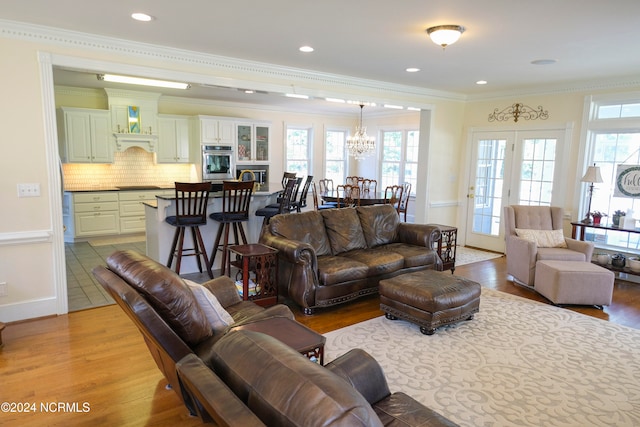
(592, 176)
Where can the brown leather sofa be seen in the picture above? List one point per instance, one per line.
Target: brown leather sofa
(331, 256)
(165, 311)
(283, 388)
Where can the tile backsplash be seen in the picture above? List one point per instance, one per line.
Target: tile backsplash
(134, 166)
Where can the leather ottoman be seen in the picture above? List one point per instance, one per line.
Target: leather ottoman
(429, 299)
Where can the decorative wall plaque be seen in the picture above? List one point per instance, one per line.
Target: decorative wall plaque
(627, 181)
(517, 111)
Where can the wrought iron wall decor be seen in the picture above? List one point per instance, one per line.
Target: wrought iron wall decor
(517, 111)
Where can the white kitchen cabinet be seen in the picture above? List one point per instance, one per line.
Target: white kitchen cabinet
(96, 213)
(252, 139)
(84, 136)
(216, 131)
(132, 219)
(173, 139)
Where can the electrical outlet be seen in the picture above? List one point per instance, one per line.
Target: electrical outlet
(4, 289)
(29, 190)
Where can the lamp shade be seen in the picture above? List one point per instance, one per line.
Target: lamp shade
(444, 35)
(592, 175)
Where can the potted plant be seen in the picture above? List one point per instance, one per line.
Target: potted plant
(616, 217)
(597, 216)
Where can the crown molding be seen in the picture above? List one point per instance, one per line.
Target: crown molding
(305, 81)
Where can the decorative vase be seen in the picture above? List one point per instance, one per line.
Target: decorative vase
(596, 220)
(616, 220)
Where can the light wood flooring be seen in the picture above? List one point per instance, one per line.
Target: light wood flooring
(97, 356)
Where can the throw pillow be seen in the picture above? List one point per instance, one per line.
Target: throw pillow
(217, 316)
(543, 238)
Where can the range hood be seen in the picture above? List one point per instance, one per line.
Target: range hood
(147, 142)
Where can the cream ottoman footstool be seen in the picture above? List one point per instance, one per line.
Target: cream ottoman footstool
(574, 282)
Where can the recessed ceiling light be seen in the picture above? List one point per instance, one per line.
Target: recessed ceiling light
(306, 49)
(481, 82)
(338, 100)
(295, 95)
(544, 61)
(412, 70)
(249, 91)
(138, 16)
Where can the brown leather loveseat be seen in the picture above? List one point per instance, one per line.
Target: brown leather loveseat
(283, 388)
(331, 256)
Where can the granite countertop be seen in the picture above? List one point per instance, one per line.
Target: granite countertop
(120, 188)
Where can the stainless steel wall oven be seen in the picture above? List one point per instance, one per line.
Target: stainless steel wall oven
(218, 162)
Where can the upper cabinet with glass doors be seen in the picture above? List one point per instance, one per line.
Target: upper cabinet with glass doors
(253, 142)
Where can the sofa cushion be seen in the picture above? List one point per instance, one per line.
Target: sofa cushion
(218, 317)
(166, 292)
(343, 229)
(414, 256)
(283, 388)
(340, 269)
(307, 227)
(379, 260)
(379, 224)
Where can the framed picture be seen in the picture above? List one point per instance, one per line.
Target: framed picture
(134, 119)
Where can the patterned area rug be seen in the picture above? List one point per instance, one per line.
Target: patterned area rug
(466, 255)
(518, 363)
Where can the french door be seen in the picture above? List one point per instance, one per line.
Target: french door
(514, 167)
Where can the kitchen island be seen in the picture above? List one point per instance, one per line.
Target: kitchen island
(160, 234)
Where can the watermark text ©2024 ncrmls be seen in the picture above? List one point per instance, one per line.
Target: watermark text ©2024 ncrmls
(46, 407)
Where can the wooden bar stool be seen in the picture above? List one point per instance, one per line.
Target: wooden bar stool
(236, 198)
(191, 212)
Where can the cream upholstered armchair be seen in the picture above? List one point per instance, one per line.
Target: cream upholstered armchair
(534, 233)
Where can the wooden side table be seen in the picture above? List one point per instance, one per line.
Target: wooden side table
(257, 264)
(296, 335)
(446, 246)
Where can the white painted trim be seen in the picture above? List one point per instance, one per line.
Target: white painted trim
(26, 237)
(445, 204)
(54, 169)
(35, 308)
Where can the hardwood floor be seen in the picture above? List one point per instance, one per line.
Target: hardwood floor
(97, 356)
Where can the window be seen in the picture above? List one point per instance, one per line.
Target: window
(335, 155)
(613, 139)
(298, 147)
(399, 158)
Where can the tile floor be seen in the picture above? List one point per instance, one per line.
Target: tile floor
(83, 290)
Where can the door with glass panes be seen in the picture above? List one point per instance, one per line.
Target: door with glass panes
(518, 168)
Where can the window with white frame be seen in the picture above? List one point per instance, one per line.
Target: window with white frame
(613, 139)
(399, 158)
(335, 155)
(298, 149)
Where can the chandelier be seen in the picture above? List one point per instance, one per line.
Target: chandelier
(360, 144)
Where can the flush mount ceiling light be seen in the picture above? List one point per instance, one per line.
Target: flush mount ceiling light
(444, 35)
(138, 16)
(115, 78)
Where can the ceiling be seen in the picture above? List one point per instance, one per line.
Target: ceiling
(592, 41)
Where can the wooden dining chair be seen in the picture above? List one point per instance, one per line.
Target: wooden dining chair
(316, 200)
(348, 196)
(404, 201)
(352, 180)
(326, 186)
(369, 185)
(393, 196)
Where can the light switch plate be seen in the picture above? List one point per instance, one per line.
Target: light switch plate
(29, 190)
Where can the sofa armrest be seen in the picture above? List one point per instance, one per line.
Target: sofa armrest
(525, 251)
(363, 372)
(418, 234)
(581, 246)
(211, 397)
